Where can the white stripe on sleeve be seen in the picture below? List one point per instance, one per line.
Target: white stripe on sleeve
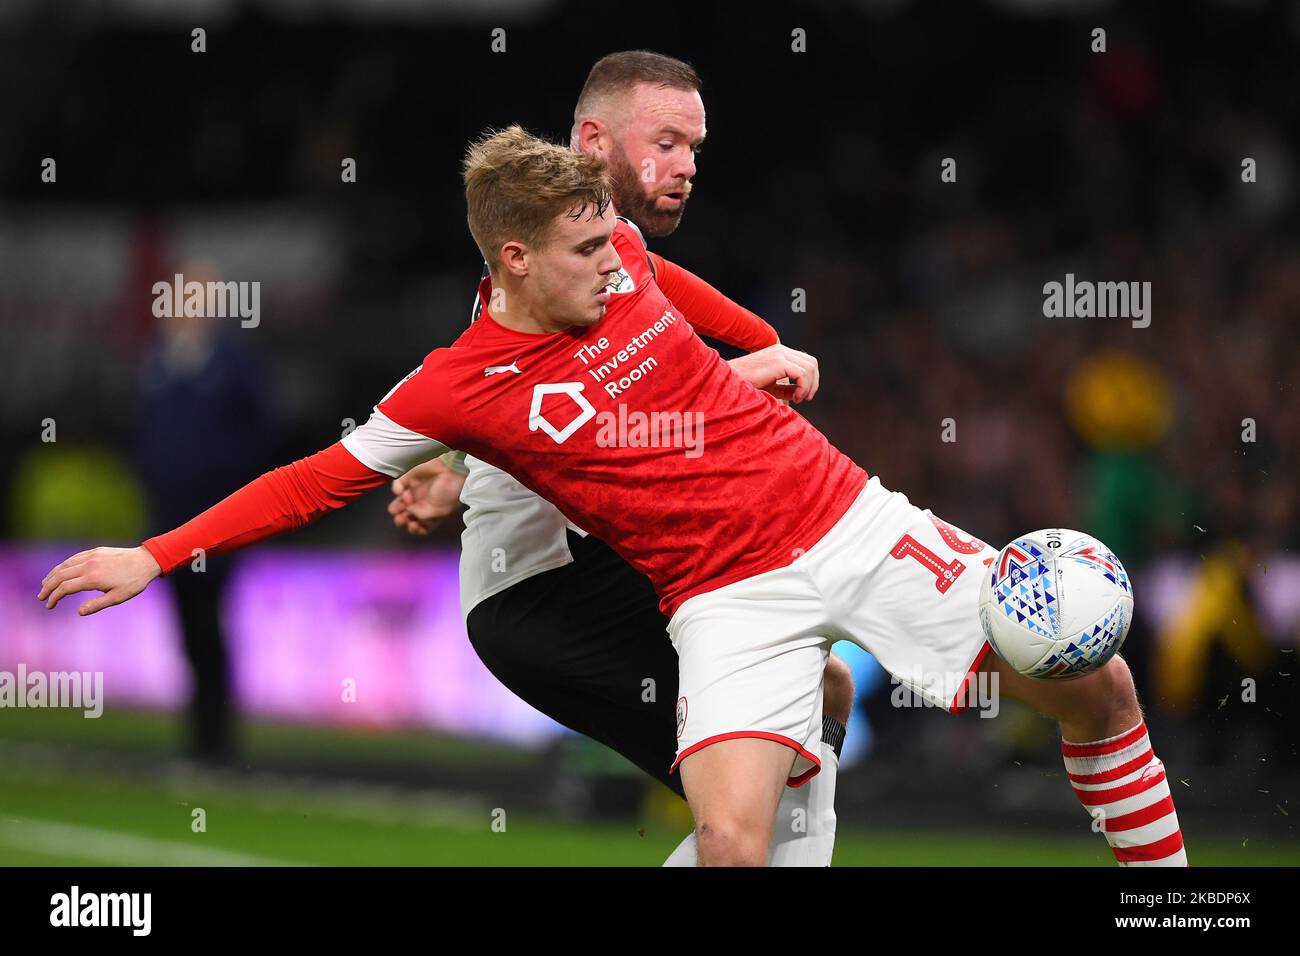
(390, 448)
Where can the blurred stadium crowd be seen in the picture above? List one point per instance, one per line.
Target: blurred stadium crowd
(924, 299)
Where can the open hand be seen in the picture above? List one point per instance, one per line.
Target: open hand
(121, 573)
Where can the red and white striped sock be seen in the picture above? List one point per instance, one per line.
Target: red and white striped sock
(1123, 778)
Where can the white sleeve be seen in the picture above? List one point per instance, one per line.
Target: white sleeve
(390, 448)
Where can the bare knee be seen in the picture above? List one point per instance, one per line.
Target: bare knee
(837, 690)
(1105, 692)
(1110, 687)
(726, 841)
(1105, 704)
(1119, 690)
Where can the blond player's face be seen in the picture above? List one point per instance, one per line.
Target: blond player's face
(653, 162)
(574, 267)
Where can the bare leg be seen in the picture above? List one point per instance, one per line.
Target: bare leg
(733, 787)
(1099, 705)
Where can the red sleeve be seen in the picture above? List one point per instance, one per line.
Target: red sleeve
(281, 500)
(709, 311)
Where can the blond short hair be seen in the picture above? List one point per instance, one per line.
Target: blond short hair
(517, 184)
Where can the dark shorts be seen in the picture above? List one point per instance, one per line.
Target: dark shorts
(586, 645)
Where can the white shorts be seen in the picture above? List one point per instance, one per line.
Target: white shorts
(892, 578)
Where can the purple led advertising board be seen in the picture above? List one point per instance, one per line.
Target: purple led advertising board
(300, 625)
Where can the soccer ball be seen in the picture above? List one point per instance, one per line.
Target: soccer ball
(1056, 604)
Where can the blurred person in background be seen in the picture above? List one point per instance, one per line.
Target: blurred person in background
(204, 427)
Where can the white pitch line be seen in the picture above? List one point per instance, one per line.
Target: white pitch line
(64, 839)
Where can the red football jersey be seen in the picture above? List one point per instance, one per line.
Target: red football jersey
(634, 428)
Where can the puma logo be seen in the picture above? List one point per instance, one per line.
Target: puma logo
(494, 369)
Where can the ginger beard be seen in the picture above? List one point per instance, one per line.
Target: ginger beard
(640, 201)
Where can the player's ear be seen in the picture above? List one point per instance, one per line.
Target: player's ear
(514, 258)
(592, 137)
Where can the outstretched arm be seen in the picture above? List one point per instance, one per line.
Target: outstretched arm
(281, 500)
